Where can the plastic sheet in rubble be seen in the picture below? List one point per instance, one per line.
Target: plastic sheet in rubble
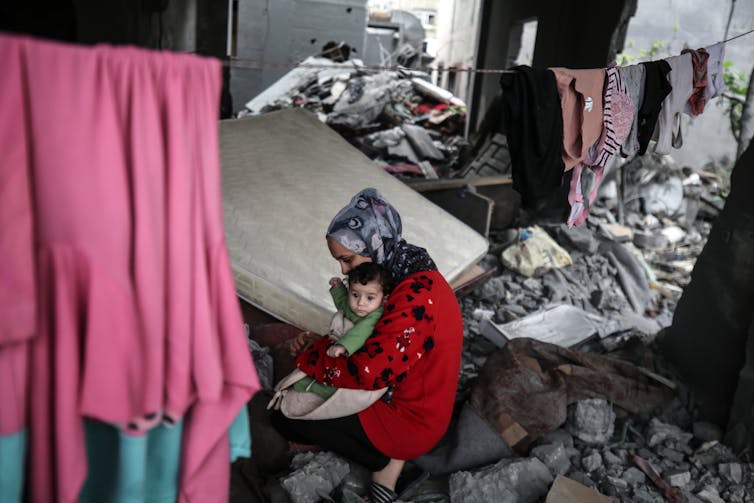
(564, 325)
(285, 175)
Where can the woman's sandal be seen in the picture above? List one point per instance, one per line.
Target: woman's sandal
(380, 494)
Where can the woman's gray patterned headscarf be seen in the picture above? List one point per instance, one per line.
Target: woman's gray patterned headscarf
(371, 227)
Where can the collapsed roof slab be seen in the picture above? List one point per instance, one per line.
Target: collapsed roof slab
(285, 175)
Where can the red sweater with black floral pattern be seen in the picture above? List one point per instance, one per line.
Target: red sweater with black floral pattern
(416, 349)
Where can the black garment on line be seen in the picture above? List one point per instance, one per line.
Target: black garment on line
(533, 123)
(656, 89)
(343, 435)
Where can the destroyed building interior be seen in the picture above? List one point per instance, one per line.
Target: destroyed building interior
(170, 171)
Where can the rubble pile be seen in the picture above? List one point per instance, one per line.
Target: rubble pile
(668, 210)
(400, 119)
(629, 262)
(645, 460)
(666, 216)
(634, 459)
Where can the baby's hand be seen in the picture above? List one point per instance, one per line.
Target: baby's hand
(335, 282)
(336, 350)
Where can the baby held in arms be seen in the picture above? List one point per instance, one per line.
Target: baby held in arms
(359, 308)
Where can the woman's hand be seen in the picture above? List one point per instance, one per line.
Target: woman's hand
(300, 342)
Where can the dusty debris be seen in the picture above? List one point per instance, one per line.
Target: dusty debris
(409, 126)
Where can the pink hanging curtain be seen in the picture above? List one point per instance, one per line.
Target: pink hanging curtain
(119, 276)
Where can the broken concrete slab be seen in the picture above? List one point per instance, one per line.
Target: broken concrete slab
(284, 175)
(311, 69)
(422, 143)
(512, 481)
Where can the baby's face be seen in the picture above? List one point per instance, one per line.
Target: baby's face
(363, 299)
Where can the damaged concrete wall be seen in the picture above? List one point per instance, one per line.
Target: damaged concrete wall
(288, 31)
(155, 24)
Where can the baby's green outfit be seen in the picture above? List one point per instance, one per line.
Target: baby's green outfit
(352, 339)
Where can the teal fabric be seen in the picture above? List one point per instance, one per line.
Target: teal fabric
(12, 463)
(131, 468)
(139, 468)
(240, 437)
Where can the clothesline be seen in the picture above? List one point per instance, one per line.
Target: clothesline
(258, 65)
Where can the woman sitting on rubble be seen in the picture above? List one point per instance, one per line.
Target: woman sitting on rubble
(415, 350)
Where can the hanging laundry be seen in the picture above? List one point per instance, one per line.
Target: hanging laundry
(137, 318)
(532, 120)
(581, 104)
(668, 129)
(656, 89)
(634, 78)
(698, 98)
(18, 290)
(715, 81)
(617, 118)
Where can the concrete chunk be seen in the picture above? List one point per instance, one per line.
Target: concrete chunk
(731, 472)
(592, 461)
(512, 481)
(618, 483)
(678, 478)
(591, 421)
(659, 432)
(634, 476)
(710, 495)
(554, 456)
(314, 475)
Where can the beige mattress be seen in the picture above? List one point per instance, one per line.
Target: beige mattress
(284, 176)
